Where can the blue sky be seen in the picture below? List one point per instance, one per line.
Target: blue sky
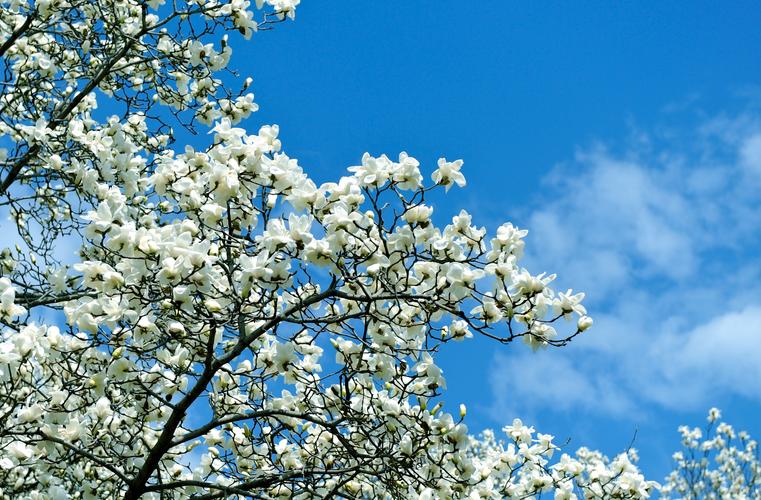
(626, 136)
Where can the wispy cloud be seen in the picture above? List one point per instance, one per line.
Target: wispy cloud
(663, 236)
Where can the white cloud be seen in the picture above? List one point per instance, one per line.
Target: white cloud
(663, 239)
(720, 356)
(550, 381)
(750, 154)
(618, 218)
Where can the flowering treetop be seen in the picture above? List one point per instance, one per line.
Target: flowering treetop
(716, 462)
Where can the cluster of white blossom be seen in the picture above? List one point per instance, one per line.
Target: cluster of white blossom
(522, 467)
(716, 463)
(153, 63)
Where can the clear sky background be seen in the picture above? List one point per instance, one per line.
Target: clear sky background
(626, 136)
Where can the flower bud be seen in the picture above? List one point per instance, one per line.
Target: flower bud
(584, 323)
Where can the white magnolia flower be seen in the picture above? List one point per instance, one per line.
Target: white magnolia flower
(449, 173)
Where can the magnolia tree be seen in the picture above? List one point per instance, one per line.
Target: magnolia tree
(229, 327)
(716, 462)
